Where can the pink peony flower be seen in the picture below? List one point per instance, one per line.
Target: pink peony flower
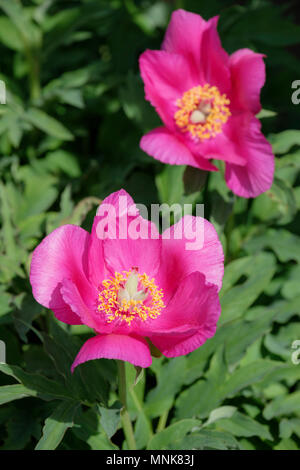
(207, 101)
(131, 291)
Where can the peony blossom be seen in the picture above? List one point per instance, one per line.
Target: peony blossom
(207, 101)
(132, 292)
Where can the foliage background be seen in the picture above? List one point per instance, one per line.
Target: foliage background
(69, 136)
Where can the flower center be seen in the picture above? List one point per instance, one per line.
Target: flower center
(202, 111)
(128, 296)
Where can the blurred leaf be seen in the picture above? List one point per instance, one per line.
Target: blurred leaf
(206, 440)
(248, 375)
(18, 15)
(285, 140)
(56, 425)
(160, 398)
(283, 405)
(37, 384)
(241, 425)
(259, 270)
(9, 34)
(110, 418)
(286, 444)
(265, 113)
(174, 432)
(48, 124)
(87, 427)
(194, 180)
(220, 413)
(20, 428)
(289, 426)
(24, 316)
(89, 381)
(285, 244)
(65, 161)
(210, 390)
(81, 210)
(14, 392)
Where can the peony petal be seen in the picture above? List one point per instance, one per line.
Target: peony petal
(166, 147)
(88, 315)
(220, 147)
(198, 40)
(131, 241)
(257, 175)
(214, 59)
(162, 76)
(61, 255)
(114, 200)
(248, 77)
(190, 318)
(108, 209)
(125, 348)
(184, 37)
(179, 260)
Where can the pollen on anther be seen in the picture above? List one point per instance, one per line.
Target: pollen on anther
(207, 103)
(125, 310)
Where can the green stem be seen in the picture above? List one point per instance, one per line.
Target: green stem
(125, 418)
(140, 409)
(162, 421)
(34, 71)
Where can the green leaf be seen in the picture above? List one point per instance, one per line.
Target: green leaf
(259, 269)
(286, 245)
(20, 427)
(160, 398)
(37, 384)
(134, 104)
(194, 180)
(9, 34)
(14, 392)
(174, 432)
(28, 31)
(248, 375)
(219, 386)
(56, 425)
(206, 439)
(283, 405)
(239, 335)
(290, 286)
(280, 342)
(286, 444)
(81, 210)
(288, 427)
(241, 425)
(171, 190)
(24, 315)
(210, 390)
(220, 413)
(88, 382)
(87, 427)
(265, 113)
(65, 161)
(285, 140)
(110, 418)
(142, 430)
(48, 124)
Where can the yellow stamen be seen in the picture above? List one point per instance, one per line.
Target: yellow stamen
(202, 112)
(120, 299)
